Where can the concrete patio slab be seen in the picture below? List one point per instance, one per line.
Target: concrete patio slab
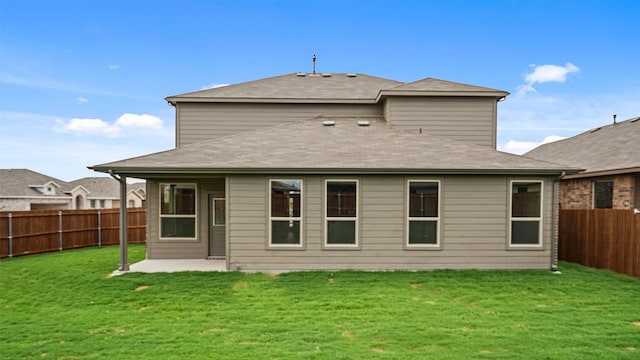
(177, 265)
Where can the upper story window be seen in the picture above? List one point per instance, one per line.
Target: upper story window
(178, 211)
(341, 217)
(423, 213)
(285, 218)
(525, 213)
(603, 194)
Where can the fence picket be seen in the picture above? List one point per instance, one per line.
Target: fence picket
(601, 238)
(32, 232)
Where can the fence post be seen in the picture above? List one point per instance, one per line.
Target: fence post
(60, 229)
(99, 229)
(10, 226)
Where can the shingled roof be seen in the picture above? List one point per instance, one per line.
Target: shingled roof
(604, 150)
(331, 145)
(330, 87)
(24, 182)
(296, 86)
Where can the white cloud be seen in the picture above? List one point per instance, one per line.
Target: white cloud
(521, 147)
(88, 127)
(82, 100)
(113, 66)
(136, 121)
(213, 86)
(546, 73)
(126, 125)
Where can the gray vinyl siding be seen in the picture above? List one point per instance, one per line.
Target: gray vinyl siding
(473, 221)
(467, 119)
(204, 121)
(180, 249)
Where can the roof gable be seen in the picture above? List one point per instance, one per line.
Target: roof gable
(607, 148)
(98, 187)
(437, 87)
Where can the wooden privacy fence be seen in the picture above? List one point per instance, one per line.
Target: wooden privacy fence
(31, 232)
(601, 238)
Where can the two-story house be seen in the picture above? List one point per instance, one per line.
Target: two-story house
(345, 171)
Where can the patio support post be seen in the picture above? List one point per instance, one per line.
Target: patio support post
(124, 257)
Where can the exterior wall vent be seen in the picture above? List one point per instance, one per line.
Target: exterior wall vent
(326, 75)
(301, 74)
(351, 75)
(363, 122)
(328, 123)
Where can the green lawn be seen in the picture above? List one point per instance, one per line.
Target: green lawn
(64, 306)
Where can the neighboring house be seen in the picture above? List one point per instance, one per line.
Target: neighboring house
(345, 171)
(610, 157)
(25, 190)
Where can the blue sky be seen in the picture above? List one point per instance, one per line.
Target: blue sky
(84, 82)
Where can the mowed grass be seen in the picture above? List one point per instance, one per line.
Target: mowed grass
(64, 306)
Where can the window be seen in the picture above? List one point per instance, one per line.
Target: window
(423, 213)
(132, 203)
(603, 194)
(526, 213)
(218, 212)
(285, 203)
(178, 211)
(341, 218)
(102, 202)
(93, 203)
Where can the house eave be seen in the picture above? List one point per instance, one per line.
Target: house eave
(387, 93)
(174, 100)
(611, 172)
(147, 172)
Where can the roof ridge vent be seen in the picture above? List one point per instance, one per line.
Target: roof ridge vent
(594, 130)
(363, 123)
(301, 74)
(352, 74)
(328, 123)
(326, 74)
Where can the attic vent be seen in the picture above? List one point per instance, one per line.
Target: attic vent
(326, 75)
(594, 130)
(301, 74)
(636, 119)
(363, 122)
(351, 75)
(328, 123)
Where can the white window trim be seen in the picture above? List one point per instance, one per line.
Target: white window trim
(436, 219)
(160, 215)
(293, 218)
(213, 211)
(356, 219)
(538, 219)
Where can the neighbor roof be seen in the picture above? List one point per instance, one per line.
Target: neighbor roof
(15, 182)
(21, 182)
(99, 187)
(330, 87)
(310, 146)
(605, 150)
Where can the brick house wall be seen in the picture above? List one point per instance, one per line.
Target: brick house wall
(578, 193)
